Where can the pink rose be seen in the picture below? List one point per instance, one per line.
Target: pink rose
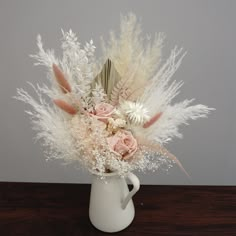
(103, 111)
(123, 143)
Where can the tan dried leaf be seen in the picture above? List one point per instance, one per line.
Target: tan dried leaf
(107, 78)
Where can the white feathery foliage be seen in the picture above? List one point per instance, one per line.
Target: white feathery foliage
(130, 50)
(77, 63)
(173, 117)
(44, 58)
(157, 97)
(159, 92)
(50, 123)
(98, 94)
(51, 126)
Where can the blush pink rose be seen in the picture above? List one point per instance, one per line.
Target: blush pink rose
(103, 111)
(123, 143)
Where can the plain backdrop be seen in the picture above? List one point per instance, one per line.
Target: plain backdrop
(206, 29)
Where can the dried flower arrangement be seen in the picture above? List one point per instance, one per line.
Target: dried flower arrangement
(114, 114)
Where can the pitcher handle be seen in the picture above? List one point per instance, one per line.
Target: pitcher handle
(136, 185)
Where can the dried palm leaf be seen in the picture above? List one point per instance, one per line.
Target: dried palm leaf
(107, 78)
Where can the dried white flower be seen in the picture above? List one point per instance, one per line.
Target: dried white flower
(115, 124)
(136, 113)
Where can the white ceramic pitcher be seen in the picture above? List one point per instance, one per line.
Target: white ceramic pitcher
(111, 207)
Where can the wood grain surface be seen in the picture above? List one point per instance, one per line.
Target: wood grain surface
(45, 209)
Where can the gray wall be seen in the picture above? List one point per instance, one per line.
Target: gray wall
(206, 29)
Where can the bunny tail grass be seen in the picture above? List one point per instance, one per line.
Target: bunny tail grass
(63, 83)
(65, 106)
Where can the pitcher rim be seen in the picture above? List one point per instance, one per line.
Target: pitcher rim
(112, 174)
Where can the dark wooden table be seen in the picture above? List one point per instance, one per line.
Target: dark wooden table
(42, 209)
